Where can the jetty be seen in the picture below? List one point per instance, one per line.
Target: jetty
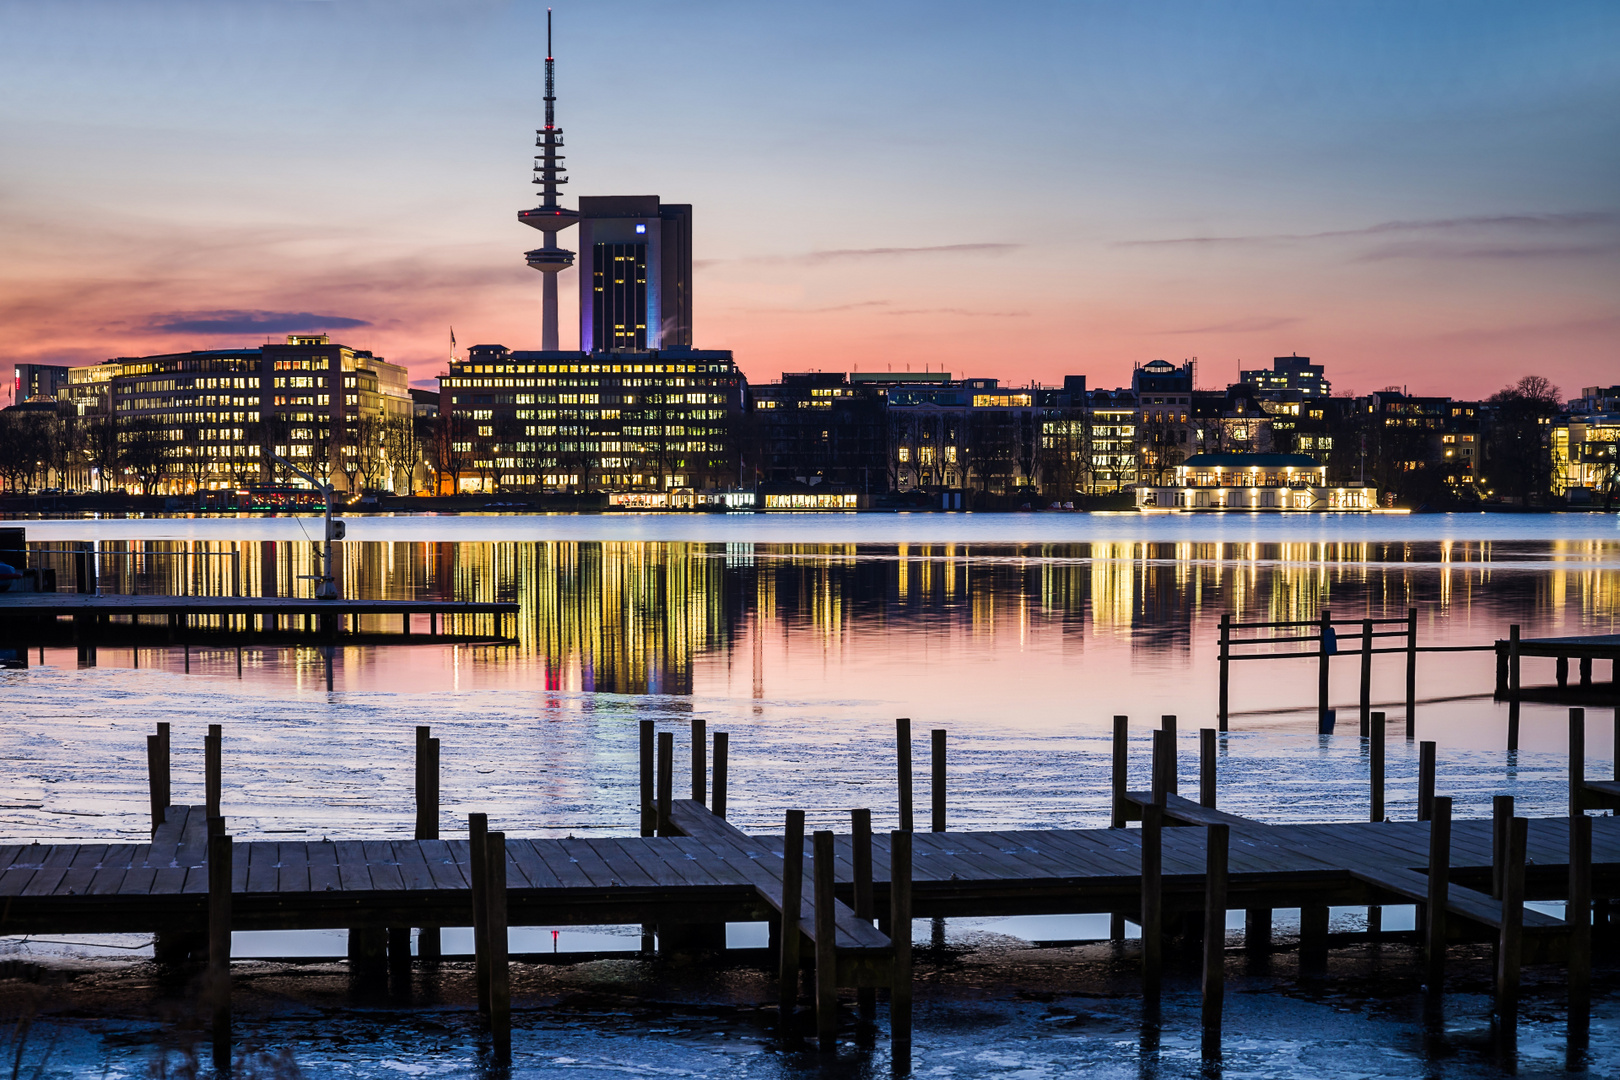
(840, 906)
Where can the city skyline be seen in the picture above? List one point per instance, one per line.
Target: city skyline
(1420, 199)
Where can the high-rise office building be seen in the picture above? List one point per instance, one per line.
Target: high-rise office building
(639, 294)
(1290, 376)
(38, 381)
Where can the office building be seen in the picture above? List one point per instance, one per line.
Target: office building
(639, 257)
(1250, 482)
(818, 428)
(213, 418)
(1290, 378)
(651, 421)
(38, 382)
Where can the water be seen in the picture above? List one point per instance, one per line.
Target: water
(804, 637)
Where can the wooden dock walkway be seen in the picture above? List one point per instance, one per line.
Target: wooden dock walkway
(699, 872)
(87, 620)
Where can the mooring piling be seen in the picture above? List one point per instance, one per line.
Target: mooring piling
(1163, 765)
(1167, 724)
(157, 773)
(900, 936)
(938, 788)
(1578, 909)
(1425, 798)
(1222, 708)
(1411, 673)
(860, 846)
(428, 939)
(1375, 768)
(498, 979)
(700, 764)
(902, 757)
(1577, 759)
(1324, 649)
(1501, 815)
(1121, 769)
(1206, 767)
(1152, 921)
(1365, 711)
(649, 810)
(721, 746)
(666, 780)
(213, 763)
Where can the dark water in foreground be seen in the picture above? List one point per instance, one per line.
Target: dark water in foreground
(805, 652)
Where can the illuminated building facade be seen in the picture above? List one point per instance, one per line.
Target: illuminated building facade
(1253, 482)
(571, 421)
(1290, 378)
(210, 419)
(38, 382)
(639, 295)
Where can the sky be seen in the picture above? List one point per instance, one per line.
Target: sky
(1416, 194)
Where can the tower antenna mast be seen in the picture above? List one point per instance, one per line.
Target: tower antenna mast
(549, 217)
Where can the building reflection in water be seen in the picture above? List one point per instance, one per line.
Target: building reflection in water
(630, 617)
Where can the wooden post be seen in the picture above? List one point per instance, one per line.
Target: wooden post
(792, 906)
(902, 746)
(666, 780)
(1226, 669)
(1501, 815)
(1577, 760)
(219, 945)
(187, 653)
(157, 773)
(1324, 630)
(900, 936)
(213, 763)
(499, 976)
(1164, 764)
(1366, 675)
(700, 761)
(1586, 670)
(428, 941)
(1560, 670)
(1510, 937)
(860, 850)
(1167, 724)
(1578, 911)
(1257, 930)
(1513, 661)
(1434, 933)
(1216, 843)
(1121, 772)
(1152, 922)
(826, 944)
(1375, 767)
(1313, 937)
(239, 661)
(477, 857)
(1411, 674)
(649, 811)
(1501, 669)
(938, 788)
(1206, 767)
(721, 746)
(1425, 799)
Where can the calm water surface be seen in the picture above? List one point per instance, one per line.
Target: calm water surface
(804, 637)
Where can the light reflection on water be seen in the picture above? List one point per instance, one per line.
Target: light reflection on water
(806, 652)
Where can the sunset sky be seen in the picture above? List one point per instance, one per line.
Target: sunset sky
(1422, 194)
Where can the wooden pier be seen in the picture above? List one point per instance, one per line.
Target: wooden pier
(1584, 649)
(87, 620)
(691, 871)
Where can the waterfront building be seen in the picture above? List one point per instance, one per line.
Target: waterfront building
(211, 419)
(639, 296)
(1253, 482)
(1164, 395)
(1111, 420)
(647, 421)
(1291, 378)
(38, 382)
(1586, 451)
(818, 427)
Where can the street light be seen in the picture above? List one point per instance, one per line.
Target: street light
(335, 529)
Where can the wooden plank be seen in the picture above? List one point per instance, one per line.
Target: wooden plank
(108, 881)
(442, 865)
(1052, 860)
(635, 853)
(625, 870)
(293, 873)
(702, 858)
(138, 881)
(322, 858)
(589, 862)
(532, 868)
(385, 875)
(9, 853)
(15, 879)
(264, 866)
(354, 875)
(44, 881)
(59, 856)
(168, 881)
(413, 867)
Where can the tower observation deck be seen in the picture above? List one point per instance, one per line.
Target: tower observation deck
(549, 217)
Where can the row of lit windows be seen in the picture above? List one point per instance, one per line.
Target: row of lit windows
(588, 369)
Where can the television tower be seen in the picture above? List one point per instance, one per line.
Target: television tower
(548, 217)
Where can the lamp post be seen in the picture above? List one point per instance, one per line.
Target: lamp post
(335, 529)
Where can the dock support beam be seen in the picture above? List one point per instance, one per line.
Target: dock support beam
(649, 807)
(1206, 768)
(900, 938)
(666, 780)
(792, 907)
(860, 853)
(1223, 708)
(1216, 843)
(826, 944)
(1434, 931)
(1324, 633)
(722, 743)
(1501, 818)
(1121, 770)
(478, 856)
(213, 766)
(1577, 760)
(157, 773)
(1152, 898)
(1365, 711)
(1375, 768)
(1510, 935)
(428, 942)
(1411, 674)
(1425, 798)
(700, 762)
(219, 943)
(499, 977)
